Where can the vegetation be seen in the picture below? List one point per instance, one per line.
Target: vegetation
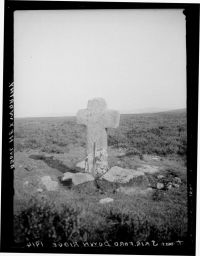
(46, 222)
(162, 134)
(77, 215)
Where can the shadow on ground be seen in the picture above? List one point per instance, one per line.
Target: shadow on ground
(54, 163)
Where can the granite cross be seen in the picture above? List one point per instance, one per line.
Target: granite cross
(97, 118)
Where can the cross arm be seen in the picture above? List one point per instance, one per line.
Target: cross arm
(111, 119)
(82, 116)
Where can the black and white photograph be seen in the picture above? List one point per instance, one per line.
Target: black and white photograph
(100, 156)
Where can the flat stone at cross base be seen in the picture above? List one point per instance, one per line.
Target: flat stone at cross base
(77, 178)
(97, 118)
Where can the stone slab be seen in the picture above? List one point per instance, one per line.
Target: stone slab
(77, 178)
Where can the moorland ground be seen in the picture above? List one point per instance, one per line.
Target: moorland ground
(52, 146)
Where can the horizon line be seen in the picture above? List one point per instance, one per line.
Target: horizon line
(121, 113)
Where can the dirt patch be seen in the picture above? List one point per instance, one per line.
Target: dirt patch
(54, 163)
(148, 169)
(134, 190)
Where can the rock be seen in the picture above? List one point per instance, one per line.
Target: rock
(160, 177)
(177, 180)
(121, 175)
(81, 165)
(169, 186)
(149, 189)
(148, 168)
(77, 178)
(157, 158)
(28, 168)
(160, 185)
(49, 184)
(106, 200)
(175, 185)
(39, 190)
(26, 183)
(121, 152)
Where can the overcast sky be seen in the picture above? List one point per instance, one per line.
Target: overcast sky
(135, 59)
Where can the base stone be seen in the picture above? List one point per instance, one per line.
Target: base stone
(77, 178)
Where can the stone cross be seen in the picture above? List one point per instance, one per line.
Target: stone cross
(97, 119)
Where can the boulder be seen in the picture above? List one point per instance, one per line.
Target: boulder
(77, 178)
(28, 167)
(156, 158)
(177, 180)
(26, 183)
(106, 200)
(176, 185)
(120, 175)
(169, 186)
(49, 184)
(160, 176)
(160, 185)
(40, 190)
